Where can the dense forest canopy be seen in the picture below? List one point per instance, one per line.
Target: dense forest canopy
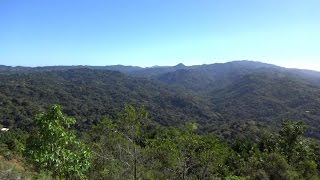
(226, 99)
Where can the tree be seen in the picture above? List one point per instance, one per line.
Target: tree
(211, 157)
(110, 160)
(290, 138)
(164, 154)
(53, 147)
(132, 123)
(118, 145)
(181, 153)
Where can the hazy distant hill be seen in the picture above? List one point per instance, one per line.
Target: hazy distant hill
(205, 77)
(223, 97)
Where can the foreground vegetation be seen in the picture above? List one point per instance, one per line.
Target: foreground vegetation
(129, 146)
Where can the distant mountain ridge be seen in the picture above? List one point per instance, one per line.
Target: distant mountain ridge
(143, 71)
(223, 97)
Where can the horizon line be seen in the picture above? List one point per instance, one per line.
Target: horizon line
(155, 66)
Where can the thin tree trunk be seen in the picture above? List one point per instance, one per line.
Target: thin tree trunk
(135, 164)
(204, 173)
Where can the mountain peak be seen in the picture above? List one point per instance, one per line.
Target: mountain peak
(180, 65)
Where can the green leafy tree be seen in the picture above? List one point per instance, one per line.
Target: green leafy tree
(118, 145)
(290, 137)
(53, 147)
(110, 160)
(133, 123)
(181, 153)
(277, 167)
(211, 156)
(164, 157)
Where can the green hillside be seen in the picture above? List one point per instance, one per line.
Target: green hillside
(220, 97)
(219, 121)
(89, 95)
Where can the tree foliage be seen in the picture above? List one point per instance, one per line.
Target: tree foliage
(118, 144)
(52, 146)
(129, 145)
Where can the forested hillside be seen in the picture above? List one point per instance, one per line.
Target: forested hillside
(89, 95)
(228, 99)
(226, 121)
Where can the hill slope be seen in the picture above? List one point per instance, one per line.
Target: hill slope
(90, 94)
(221, 97)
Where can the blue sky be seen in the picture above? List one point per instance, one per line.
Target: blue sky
(159, 32)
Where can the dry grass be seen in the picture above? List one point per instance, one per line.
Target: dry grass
(12, 170)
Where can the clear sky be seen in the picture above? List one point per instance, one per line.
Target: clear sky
(159, 32)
